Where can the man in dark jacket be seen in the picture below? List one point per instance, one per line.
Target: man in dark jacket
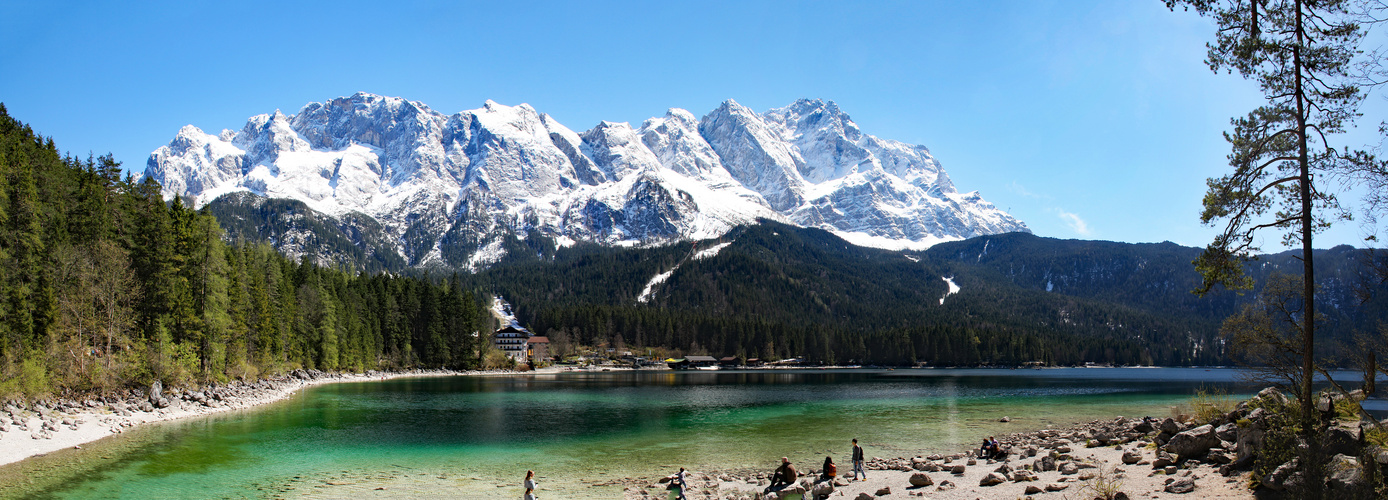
(785, 475)
(858, 461)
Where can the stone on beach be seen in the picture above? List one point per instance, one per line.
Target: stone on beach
(1181, 486)
(1194, 442)
(992, 479)
(921, 480)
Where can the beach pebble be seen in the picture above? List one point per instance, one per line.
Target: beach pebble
(992, 479)
(884, 491)
(1056, 486)
(1033, 489)
(945, 485)
(1005, 419)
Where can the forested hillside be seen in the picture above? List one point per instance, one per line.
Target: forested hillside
(777, 291)
(106, 285)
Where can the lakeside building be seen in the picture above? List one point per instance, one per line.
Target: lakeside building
(537, 348)
(515, 342)
(694, 362)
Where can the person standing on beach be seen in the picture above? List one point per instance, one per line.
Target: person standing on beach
(858, 461)
(529, 485)
(679, 480)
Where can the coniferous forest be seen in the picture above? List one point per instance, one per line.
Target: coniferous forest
(106, 286)
(109, 286)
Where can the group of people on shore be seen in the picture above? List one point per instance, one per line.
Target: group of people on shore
(784, 476)
(991, 449)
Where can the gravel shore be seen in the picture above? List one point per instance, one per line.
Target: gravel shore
(1075, 463)
(55, 425)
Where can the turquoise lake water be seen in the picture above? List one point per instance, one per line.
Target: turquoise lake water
(474, 436)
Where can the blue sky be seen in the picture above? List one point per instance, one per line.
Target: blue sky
(1085, 119)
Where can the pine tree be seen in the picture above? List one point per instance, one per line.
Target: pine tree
(1301, 54)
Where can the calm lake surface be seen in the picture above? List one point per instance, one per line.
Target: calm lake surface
(475, 436)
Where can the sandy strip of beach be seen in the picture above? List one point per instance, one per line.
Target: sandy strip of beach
(26, 433)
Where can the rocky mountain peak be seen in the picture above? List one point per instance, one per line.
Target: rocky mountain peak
(446, 188)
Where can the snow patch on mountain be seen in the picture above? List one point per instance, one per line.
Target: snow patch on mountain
(655, 281)
(953, 289)
(710, 252)
(501, 310)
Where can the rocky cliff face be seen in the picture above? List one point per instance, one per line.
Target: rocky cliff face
(446, 189)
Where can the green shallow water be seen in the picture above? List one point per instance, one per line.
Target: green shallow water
(474, 436)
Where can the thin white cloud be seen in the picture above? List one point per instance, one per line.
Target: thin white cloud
(1016, 187)
(1075, 222)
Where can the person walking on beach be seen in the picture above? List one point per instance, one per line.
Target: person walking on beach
(858, 461)
(677, 482)
(529, 485)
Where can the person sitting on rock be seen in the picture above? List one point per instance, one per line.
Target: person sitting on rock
(830, 470)
(785, 475)
(985, 450)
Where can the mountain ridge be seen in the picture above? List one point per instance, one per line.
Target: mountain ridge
(446, 189)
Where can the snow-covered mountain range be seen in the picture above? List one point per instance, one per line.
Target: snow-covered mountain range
(447, 189)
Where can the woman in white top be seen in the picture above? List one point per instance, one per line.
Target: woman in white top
(530, 485)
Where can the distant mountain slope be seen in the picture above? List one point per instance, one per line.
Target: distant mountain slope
(805, 291)
(445, 190)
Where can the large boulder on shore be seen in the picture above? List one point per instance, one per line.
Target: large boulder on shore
(1144, 427)
(1285, 475)
(921, 480)
(1181, 486)
(789, 491)
(1346, 475)
(1170, 426)
(992, 479)
(1272, 395)
(1344, 439)
(1228, 432)
(1193, 443)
